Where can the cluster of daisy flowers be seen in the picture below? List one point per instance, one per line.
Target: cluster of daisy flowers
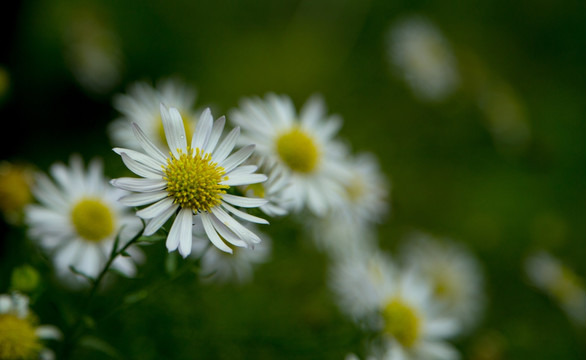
(207, 186)
(414, 304)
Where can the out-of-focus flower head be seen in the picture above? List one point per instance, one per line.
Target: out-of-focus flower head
(77, 220)
(453, 272)
(395, 303)
(20, 335)
(141, 104)
(551, 276)
(422, 56)
(92, 49)
(192, 179)
(301, 145)
(15, 190)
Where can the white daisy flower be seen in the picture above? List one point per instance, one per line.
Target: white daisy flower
(20, 335)
(397, 305)
(192, 180)
(423, 57)
(141, 105)
(92, 51)
(367, 189)
(551, 276)
(453, 273)
(358, 281)
(301, 145)
(220, 267)
(411, 325)
(78, 219)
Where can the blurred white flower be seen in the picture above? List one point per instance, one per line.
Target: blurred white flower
(358, 282)
(92, 50)
(20, 335)
(423, 58)
(453, 272)
(192, 179)
(559, 282)
(142, 105)
(301, 146)
(15, 190)
(220, 267)
(397, 304)
(78, 219)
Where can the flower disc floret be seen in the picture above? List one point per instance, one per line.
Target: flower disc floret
(92, 219)
(401, 322)
(193, 180)
(298, 151)
(18, 338)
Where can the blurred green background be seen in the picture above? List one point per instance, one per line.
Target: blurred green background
(450, 174)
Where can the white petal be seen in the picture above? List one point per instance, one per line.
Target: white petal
(174, 130)
(202, 130)
(234, 180)
(237, 158)
(212, 235)
(139, 185)
(244, 169)
(147, 160)
(180, 233)
(312, 112)
(226, 233)
(140, 169)
(243, 215)
(441, 328)
(159, 220)
(147, 145)
(140, 199)
(226, 146)
(244, 201)
(155, 209)
(235, 226)
(438, 350)
(48, 332)
(215, 134)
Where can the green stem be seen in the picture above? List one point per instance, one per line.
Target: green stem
(78, 326)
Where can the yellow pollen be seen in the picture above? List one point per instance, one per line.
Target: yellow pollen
(193, 180)
(92, 219)
(401, 322)
(187, 125)
(18, 339)
(298, 150)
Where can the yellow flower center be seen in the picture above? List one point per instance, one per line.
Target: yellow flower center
(187, 124)
(193, 180)
(567, 286)
(355, 189)
(298, 150)
(14, 188)
(18, 338)
(92, 219)
(401, 322)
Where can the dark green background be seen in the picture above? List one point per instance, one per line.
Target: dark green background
(448, 176)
